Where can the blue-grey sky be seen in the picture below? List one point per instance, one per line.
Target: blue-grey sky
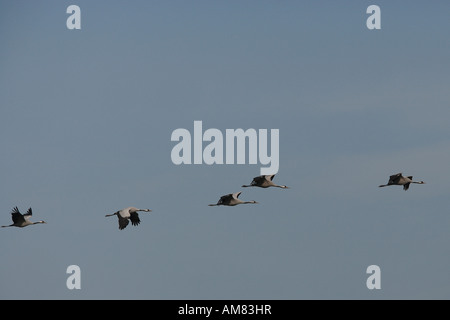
(86, 118)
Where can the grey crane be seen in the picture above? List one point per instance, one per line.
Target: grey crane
(22, 220)
(399, 180)
(128, 214)
(231, 199)
(264, 181)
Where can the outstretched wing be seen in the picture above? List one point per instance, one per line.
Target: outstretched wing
(258, 180)
(236, 195)
(17, 217)
(134, 217)
(225, 199)
(394, 178)
(123, 222)
(270, 177)
(28, 215)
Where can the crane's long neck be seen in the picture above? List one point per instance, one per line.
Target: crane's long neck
(253, 201)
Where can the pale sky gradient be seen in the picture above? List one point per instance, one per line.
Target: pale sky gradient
(86, 118)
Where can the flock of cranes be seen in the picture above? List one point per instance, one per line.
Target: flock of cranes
(131, 213)
(232, 199)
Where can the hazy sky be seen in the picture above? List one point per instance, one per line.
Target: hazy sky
(86, 118)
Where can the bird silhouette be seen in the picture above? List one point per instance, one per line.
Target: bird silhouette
(126, 215)
(22, 220)
(399, 180)
(231, 199)
(264, 181)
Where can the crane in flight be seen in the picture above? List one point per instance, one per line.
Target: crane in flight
(264, 182)
(399, 180)
(126, 215)
(22, 220)
(231, 199)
